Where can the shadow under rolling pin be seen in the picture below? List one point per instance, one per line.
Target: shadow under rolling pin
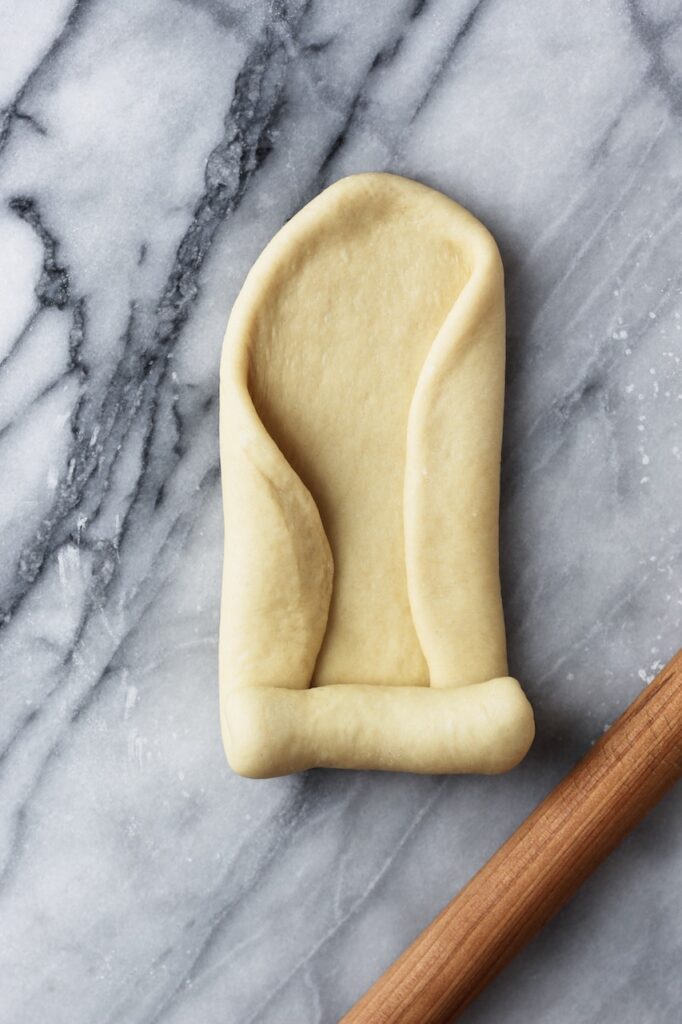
(540, 866)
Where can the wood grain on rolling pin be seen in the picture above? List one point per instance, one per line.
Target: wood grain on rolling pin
(540, 866)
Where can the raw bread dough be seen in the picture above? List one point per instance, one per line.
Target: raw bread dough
(362, 386)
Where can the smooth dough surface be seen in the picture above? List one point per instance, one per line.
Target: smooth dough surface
(362, 387)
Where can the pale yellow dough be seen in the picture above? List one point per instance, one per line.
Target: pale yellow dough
(362, 386)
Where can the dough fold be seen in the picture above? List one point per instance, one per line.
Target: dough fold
(362, 385)
(483, 728)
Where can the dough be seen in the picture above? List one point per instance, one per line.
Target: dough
(362, 385)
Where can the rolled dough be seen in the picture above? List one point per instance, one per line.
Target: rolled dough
(362, 384)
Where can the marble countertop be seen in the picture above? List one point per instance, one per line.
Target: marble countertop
(148, 150)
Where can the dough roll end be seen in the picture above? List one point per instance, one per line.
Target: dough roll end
(483, 728)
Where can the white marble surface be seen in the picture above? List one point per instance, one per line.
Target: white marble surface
(148, 151)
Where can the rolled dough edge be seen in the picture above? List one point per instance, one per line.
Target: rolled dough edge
(482, 728)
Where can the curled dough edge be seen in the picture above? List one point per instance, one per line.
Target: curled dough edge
(485, 728)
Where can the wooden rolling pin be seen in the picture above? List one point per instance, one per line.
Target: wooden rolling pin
(540, 867)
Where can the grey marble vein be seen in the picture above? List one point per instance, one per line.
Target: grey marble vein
(147, 153)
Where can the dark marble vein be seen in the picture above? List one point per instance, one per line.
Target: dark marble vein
(251, 118)
(388, 53)
(38, 128)
(357, 106)
(21, 336)
(253, 114)
(462, 34)
(53, 287)
(359, 102)
(14, 109)
(652, 35)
